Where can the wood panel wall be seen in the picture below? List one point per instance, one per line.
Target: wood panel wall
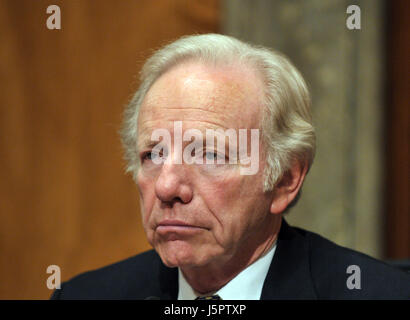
(64, 198)
(397, 117)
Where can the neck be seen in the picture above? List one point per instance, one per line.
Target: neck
(212, 277)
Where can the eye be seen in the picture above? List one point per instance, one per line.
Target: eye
(210, 155)
(214, 157)
(149, 155)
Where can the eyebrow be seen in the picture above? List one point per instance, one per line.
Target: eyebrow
(147, 143)
(144, 138)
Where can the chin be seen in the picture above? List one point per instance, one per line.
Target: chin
(177, 254)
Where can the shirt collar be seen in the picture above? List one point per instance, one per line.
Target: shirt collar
(247, 285)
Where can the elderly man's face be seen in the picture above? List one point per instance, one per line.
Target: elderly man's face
(196, 215)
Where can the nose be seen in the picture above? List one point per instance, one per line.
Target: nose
(172, 184)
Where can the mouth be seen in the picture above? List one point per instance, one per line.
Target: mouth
(177, 226)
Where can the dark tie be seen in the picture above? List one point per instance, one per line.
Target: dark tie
(214, 297)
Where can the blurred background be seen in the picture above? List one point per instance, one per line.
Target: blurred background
(64, 197)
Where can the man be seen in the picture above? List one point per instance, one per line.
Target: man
(213, 211)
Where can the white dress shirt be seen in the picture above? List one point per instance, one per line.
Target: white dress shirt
(247, 285)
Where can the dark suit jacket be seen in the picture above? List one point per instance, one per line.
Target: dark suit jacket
(305, 266)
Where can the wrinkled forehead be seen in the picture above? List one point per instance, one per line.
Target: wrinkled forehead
(203, 96)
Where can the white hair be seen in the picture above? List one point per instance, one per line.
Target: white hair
(286, 125)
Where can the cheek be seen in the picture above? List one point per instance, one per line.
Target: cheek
(233, 191)
(217, 190)
(146, 188)
(147, 201)
(232, 202)
(223, 201)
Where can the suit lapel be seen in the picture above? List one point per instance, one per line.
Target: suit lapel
(168, 280)
(289, 274)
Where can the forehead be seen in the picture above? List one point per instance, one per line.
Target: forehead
(202, 97)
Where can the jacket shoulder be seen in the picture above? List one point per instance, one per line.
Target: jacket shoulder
(126, 279)
(341, 273)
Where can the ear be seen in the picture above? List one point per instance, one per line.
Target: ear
(288, 186)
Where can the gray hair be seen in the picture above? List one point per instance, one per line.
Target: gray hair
(286, 125)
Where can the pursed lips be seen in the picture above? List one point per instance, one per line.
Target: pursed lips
(177, 226)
